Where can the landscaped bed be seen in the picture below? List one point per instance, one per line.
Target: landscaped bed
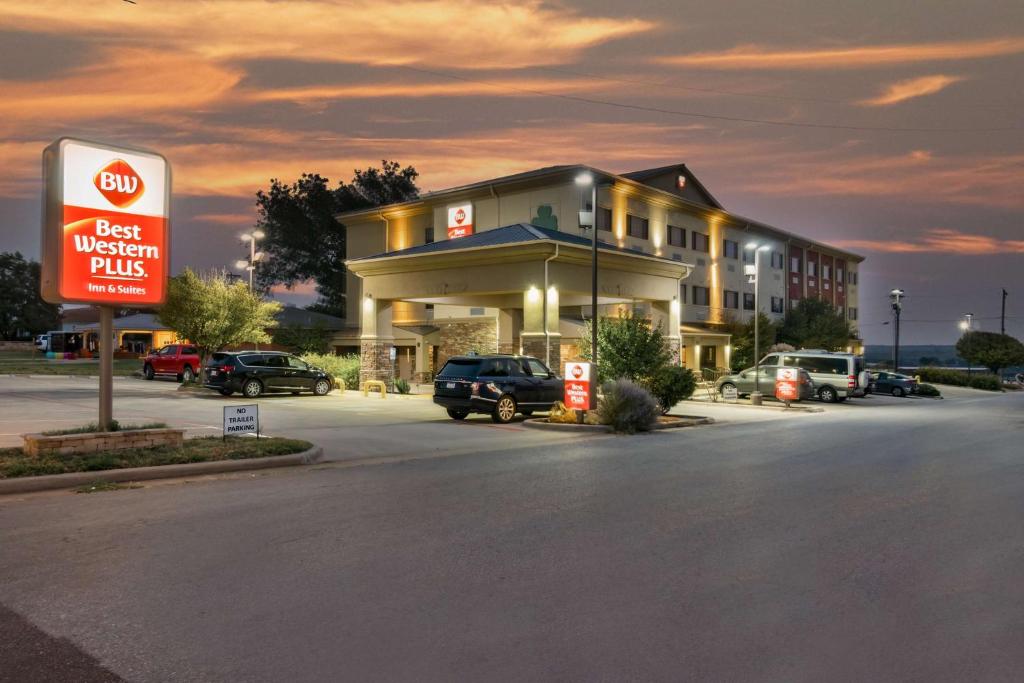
(123, 367)
(15, 463)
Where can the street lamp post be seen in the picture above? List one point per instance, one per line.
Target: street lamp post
(753, 275)
(965, 327)
(254, 256)
(896, 296)
(582, 180)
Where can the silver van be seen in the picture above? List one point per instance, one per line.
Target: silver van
(836, 376)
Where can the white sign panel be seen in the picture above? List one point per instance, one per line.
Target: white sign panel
(729, 393)
(241, 420)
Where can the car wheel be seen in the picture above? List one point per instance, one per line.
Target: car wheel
(187, 376)
(504, 410)
(721, 389)
(828, 394)
(898, 392)
(457, 414)
(147, 372)
(322, 387)
(225, 392)
(252, 388)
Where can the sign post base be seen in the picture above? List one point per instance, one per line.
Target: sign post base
(106, 368)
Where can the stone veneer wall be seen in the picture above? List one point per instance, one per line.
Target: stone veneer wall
(461, 337)
(534, 346)
(375, 363)
(675, 351)
(94, 442)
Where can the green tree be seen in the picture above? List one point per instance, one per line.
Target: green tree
(815, 324)
(303, 340)
(742, 341)
(304, 240)
(213, 312)
(627, 347)
(22, 310)
(991, 350)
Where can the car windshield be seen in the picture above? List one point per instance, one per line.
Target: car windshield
(460, 367)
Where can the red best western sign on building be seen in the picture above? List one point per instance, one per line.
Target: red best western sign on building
(577, 386)
(460, 220)
(105, 226)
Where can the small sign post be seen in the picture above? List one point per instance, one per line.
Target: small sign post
(730, 394)
(786, 385)
(577, 386)
(243, 419)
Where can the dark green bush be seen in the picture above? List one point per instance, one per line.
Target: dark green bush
(401, 386)
(342, 368)
(986, 382)
(672, 384)
(957, 378)
(927, 390)
(627, 407)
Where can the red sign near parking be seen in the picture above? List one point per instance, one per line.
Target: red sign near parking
(577, 386)
(787, 384)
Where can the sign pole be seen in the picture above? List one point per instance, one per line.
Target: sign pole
(106, 367)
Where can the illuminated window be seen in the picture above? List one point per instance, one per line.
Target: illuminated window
(604, 219)
(676, 236)
(731, 249)
(778, 262)
(826, 271)
(812, 268)
(794, 264)
(839, 274)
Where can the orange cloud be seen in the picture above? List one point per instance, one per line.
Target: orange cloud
(756, 57)
(942, 241)
(901, 91)
(457, 33)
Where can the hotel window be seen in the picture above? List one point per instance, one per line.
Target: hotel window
(637, 227)
(428, 235)
(748, 301)
(699, 241)
(826, 272)
(778, 262)
(682, 293)
(777, 304)
(812, 269)
(749, 256)
(604, 219)
(839, 274)
(794, 264)
(731, 249)
(851, 313)
(732, 299)
(701, 295)
(676, 236)
(853, 277)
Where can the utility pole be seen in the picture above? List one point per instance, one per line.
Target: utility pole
(896, 296)
(1002, 315)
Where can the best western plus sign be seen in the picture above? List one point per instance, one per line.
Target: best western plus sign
(106, 225)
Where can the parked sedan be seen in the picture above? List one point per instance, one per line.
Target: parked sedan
(498, 385)
(255, 372)
(746, 382)
(892, 383)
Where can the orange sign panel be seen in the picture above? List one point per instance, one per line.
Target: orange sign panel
(787, 384)
(577, 386)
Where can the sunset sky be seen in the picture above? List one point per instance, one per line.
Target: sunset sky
(908, 148)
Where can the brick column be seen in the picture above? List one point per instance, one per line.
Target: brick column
(376, 342)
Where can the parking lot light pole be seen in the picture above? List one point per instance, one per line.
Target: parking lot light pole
(254, 256)
(896, 296)
(965, 327)
(753, 275)
(583, 180)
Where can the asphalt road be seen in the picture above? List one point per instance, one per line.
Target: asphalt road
(881, 540)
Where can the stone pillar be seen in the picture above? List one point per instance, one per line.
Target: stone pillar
(540, 338)
(667, 313)
(376, 342)
(508, 323)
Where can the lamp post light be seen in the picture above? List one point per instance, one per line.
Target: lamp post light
(752, 272)
(896, 297)
(254, 256)
(584, 179)
(965, 327)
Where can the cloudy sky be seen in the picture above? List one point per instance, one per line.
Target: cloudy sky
(891, 128)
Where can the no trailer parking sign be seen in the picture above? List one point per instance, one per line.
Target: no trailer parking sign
(242, 420)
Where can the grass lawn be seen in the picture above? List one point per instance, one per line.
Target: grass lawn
(25, 366)
(14, 463)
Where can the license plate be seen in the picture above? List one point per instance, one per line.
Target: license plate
(212, 373)
(450, 385)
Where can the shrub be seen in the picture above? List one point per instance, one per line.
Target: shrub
(626, 347)
(344, 369)
(627, 407)
(927, 390)
(955, 378)
(986, 382)
(672, 384)
(401, 386)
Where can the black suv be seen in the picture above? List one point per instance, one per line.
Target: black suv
(498, 385)
(254, 372)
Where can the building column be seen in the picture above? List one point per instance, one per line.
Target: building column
(667, 313)
(540, 337)
(509, 322)
(376, 342)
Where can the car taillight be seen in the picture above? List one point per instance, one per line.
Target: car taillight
(475, 386)
(225, 368)
(852, 383)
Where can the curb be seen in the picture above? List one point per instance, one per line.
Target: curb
(47, 482)
(778, 408)
(541, 423)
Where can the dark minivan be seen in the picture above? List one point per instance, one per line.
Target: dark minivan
(497, 385)
(255, 372)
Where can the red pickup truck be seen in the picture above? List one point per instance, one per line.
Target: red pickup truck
(180, 360)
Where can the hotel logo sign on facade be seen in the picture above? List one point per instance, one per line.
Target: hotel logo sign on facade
(105, 224)
(460, 220)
